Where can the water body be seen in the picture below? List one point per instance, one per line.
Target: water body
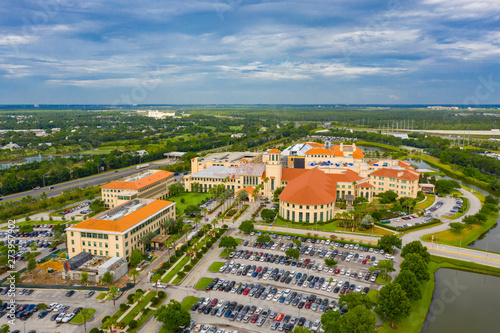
(463, 302)
(371, 148)
(32, 159)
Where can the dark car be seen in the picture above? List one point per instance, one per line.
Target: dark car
(195, 307)
(70, 293)
(207, 310)
(42, 314)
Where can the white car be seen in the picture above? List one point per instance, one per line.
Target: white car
(373, 278)
(222, 269)
(358, 289)
(360, 275)
(266, 276)
(220, 303)
(340, 283)
(269, 297)
(324, 286)
(60, 317)
(329, 289)
(342, 271)
(331, 270)
(276, 298)
(205, 329)
(160, 285)
(382, 251)
(348, 272)
(315, 326)
(68, 317)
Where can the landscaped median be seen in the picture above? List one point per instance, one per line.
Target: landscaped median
(215, 266)
(78, 318)
(188, 302)
(203, 283)
(226, 252)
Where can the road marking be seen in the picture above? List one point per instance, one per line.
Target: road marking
(465, 254)
(152, 326)
(271, 228)
(95, 321)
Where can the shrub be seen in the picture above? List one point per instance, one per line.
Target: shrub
(181, 274)
(130, 298)
(225, 226)
(166, 265)
(161, 271)
(132, 324)
(123, 306)
(155, 300)
(139, 290)
(94, 330)
(199, 254)
(200, 233)
(104, 319)
(188, 267)
(184, 248)
(162, 294)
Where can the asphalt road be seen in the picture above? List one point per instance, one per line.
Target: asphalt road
(95, 180)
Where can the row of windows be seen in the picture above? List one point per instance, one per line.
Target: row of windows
(94, 235)
(329, 215)
(89, 243)
(95, 252)
(314, 207)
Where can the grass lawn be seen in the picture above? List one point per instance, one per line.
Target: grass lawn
(101, 296)
(188, 302)
(141, 320)
(190, 199)
(429, 200)
(415, 322)
(465, 237)
(330, 226)
(203, 283)
(381, 279)
(215, 266)
(461, 212)
(43, 222)
(135, 311)
(175, 270)
(78, 318)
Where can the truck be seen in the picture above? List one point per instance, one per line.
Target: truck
(142, 166)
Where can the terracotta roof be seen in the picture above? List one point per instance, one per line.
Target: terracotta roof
(313, 187)
(358, 153)
(125, 222)
(396, 173)
(365, 184)
(288, 174)
(337, 152)
(319, 151)
(249, 190)
(348, 176)
(274, 151)
(315, 144)
(140, 183)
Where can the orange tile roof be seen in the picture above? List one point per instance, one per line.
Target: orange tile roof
(319, 151)
(358, 153)
(348, 176)
(249, 190)
(313, 187)
(337, 152)
(274, 151)
(395, 173)
(315, 144)
(365, 184)
(288, 174)
(140, 183)
(125, 222)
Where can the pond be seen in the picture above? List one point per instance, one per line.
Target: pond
(32, 159)
(463, 302)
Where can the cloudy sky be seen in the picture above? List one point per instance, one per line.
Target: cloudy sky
(249, 51)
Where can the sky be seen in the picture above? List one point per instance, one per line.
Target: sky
(250, 52)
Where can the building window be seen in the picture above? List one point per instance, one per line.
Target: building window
(100, 244)
(315, 217)
(117, 254)
(106, 245)
(95, 244)
(126, 252)
(272, 184)
(72, 242)
(300, 216)
(321, 216)
(83, 243)
(293, 216)
(106, 253)
(95, 252)
(100, 252)
(117, 246)
(307, 217)
(116, 237)
(72, 233)
(73, 250)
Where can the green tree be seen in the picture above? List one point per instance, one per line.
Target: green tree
(31, 264)
(352, 300)
(277, 192)
(42, 306)
(85, 315)
(33, 247)
(192, 210)
(175, 189)
(172, 315)
(410, 284)
(292, 253)
(5, 328)
(26, 228)
(247, 227)
(263, 238)
(268, 215)
(358, 320)
(387, 197)
(367, 221)
(228, 242)
(109, 323)
(155, 279)
(138, 297)
(107, 278)
(297, 242)
(331, 321)
(417, 248)
(113, 292)
(386, 242)
(330, 262)
(84, 277)
(414, 263)
(136, 257)
(457, 226)
(384, 266)
(134, 274)
(393, 304)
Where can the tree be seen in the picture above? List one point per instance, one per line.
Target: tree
(138, 297)
(387, 197)
(445, 186)
(410, 284)
(330, 262)
(247, 227)
(107, 278)
(331, 321)
(5, 328)
(192, 210)
(268, 215)
(264, 238)
(113, 292)
(42, 306)
(172, 315)
(277, 192)
(385, 266)
(155, 279)
(84, 277)
(414, 263)
(292, 253)
(228, 242)
(457, 226)
(367, 221)
(109, 323)
(386, 242)
(358, 320)
(85, 315)
(136, 257)
(33, 247)
(297, 242)
(418, 248)
(31, 264)
(393, 304)
(352, 300)
(175, 189)
(134, 274)
(26, 228)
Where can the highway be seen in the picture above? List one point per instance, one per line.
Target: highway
(95, 180)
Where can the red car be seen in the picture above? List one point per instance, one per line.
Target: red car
(364, 261)
(214, 302)
(254, 318)
(279, 317)
(246, 291)
(343, 291)
(337, 271)
(307, 261)
(308, 305)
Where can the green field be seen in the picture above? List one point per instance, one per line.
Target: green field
(190, 199)
(215, 266)
(188, 302)
(429, 200)
(203, 283)
(78, 318)
(101, 296)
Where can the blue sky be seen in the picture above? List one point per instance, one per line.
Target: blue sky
(237, 51)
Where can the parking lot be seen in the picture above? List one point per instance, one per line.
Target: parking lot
(260, 276)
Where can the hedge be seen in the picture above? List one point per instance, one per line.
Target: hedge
(408, 228)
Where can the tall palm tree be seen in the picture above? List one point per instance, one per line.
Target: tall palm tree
(134, 273)
(109, 323)
(85, 315)
(113, 292)
(138, 297)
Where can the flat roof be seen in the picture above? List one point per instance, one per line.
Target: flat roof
(228, 156)
(139, 180)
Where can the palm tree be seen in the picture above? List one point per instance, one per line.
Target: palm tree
(85, 314)
(134, 273)
(190, 252)
(113, 292)
(109, 323)
(167, 224)
(138, 297)
(155, 279)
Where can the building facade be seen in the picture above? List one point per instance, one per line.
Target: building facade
(149, 184)
(118, 231)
